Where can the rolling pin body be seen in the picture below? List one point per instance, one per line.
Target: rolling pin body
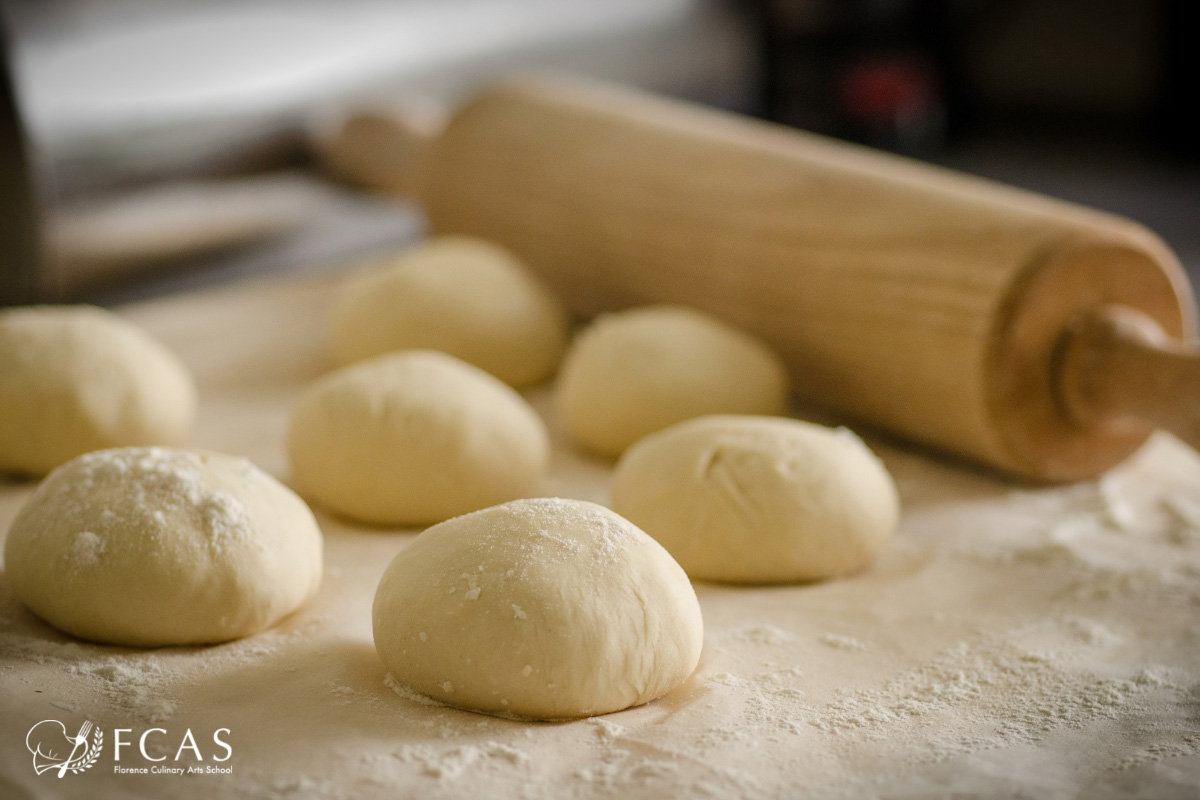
(913, 298)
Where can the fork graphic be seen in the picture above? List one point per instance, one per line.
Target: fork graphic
(81, 739)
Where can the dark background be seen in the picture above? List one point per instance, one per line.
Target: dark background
(1088, 100)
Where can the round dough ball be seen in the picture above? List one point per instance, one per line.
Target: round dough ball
(76, 378)
(413, 438)
(637, 372)
(466, 297)
(758, 500)
(149, 546)
(545, 609)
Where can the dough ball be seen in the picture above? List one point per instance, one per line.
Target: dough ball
(76, 378)
(546, 609)
(466, 297)
(149, 546)
(413, 438)
(758, 500)
(637, 372)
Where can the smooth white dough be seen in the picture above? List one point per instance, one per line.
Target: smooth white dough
(758, 499)
(413, 438)
(150, 546)
(463, 296)
(545, 609)
(636, 372)
(77, 378)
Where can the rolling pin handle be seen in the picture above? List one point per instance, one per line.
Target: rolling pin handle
(1119, 370)
(382, 148)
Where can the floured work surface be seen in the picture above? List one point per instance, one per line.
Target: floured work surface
(1011, 640)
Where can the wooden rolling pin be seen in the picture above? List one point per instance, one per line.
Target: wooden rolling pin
(1023, 332)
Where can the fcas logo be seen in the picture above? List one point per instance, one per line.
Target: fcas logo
(54, 750)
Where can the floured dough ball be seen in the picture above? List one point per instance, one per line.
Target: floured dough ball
(413, 438)
(545, 609)
(76, 378)
(466, 297)
(637, 372)
(149, 546)
(758, 500)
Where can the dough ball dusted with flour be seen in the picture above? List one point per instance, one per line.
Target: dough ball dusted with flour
(637, 372)
(76, 378)
(413, 438)
(463, 296)
(153, 546)
(758, 499)
(546, 609)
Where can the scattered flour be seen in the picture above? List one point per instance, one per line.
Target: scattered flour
(1165, 585)
(1183, 520)
(983, 695)
(774, 706)
(408, 694)
(648, 770)
(1188, 745)
(607, 730)
(1115, 509)
(86, 549)
(160, 483)
(1091, 632)
(762, 634)
(134, 684)
(838, 642)
(450, 764)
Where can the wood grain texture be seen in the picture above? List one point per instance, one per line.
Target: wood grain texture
(1120, 370)
(900, 294)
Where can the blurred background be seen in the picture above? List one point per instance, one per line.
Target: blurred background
(150, 146)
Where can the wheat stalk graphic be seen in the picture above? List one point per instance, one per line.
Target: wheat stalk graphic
(90, 755)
